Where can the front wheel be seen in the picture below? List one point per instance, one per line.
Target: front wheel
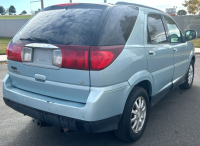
(189, 77)
(135, 115)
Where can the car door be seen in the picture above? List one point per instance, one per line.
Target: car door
(181, 51)
(159, 54)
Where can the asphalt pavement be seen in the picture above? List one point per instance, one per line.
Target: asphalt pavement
(175, 120)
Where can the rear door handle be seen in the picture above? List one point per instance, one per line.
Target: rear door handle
(152, 53)
(175, 50)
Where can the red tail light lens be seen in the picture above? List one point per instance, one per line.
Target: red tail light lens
(102, 56)
(14, 51)
(75, 57)
(8, 49)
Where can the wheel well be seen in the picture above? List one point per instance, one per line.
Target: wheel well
(147, 86)
(193, 58)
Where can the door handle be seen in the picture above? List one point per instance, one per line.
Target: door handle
(152, 53)
(175, 50)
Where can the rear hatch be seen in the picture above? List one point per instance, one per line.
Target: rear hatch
(42, 57)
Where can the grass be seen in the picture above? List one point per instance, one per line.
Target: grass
(15, 17)
(196, 43)
(3, 45)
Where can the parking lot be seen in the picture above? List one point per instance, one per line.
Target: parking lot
(175, 120)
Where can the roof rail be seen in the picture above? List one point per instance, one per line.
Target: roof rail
(137, 5)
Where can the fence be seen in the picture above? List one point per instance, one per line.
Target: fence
(8, 28)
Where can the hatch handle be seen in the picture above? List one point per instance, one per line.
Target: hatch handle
(40, 77)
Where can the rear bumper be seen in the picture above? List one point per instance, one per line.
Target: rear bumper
(103, 107)
(66, 122)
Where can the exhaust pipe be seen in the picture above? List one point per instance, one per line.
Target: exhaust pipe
(41, 124)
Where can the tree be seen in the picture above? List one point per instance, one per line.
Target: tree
(2, 10)
(37, 11)
(23, 12)
(12, 10)
(182, 12)
(193, 6)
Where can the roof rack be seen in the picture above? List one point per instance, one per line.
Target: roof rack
(137, 5)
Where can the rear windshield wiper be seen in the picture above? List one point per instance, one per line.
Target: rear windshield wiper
(69, 43)
(35, 39)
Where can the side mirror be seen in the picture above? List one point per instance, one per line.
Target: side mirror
(190, 35)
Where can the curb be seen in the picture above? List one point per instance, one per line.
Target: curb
(3, 61)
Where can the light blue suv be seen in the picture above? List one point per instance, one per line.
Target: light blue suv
(97, 67)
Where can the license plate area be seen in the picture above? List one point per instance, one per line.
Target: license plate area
(42, 58)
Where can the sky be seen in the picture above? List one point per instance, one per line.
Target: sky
(21, 5)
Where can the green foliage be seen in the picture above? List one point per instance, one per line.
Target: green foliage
(12, 10)
(23, 12)
(3, 45)
(193, 6)
(15, 17)
(182, 12)
(2, 10)
(196, 43)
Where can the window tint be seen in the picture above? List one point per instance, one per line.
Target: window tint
(174, 32)
(118, 25)
(155, 29)
(63, 26)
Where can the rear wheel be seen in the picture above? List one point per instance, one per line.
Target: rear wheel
(134, 118)
(189, 77)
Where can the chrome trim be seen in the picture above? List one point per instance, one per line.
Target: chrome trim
(174, 81)
(41, 45)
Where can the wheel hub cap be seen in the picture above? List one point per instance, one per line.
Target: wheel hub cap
(138, 114)
(190, 74)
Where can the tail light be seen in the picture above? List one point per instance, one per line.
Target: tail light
(14, 51)
(102, 56)
(78, 57)
(27, 54)
(72, 57)
(8, 47)
(57, 58)
(75, 57)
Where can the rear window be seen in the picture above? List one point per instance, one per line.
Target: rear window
(118, 26)
(74, 26)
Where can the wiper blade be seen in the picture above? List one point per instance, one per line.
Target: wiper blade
(35, 39)
(69, 43)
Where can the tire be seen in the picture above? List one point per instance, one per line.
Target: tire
(125, 131)
(189, 77)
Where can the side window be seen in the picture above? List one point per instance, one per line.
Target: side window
(174, 32)
(155, 29)
(118, 26)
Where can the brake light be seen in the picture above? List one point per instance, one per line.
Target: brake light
(75, 57)
(14, 51)
(72, 57)
(67, 4)
(102, 56)
(8, 49)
